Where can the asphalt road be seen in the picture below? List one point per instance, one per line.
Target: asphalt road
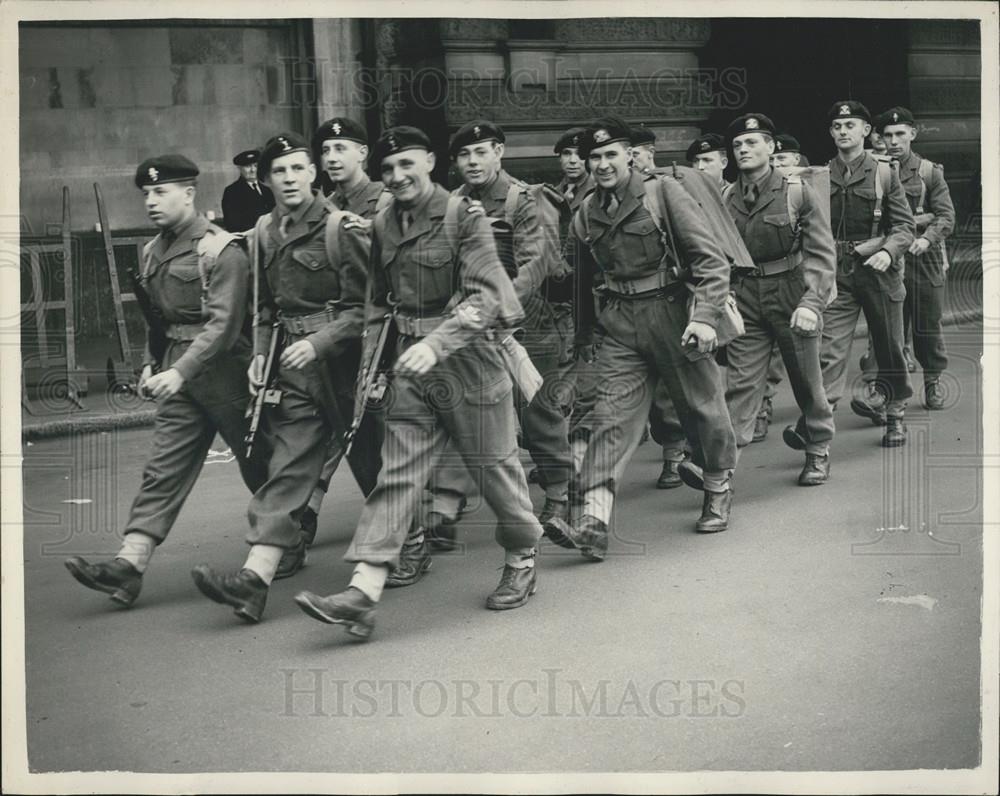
(831, 628)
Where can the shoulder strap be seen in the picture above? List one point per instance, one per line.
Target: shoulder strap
(383, 200)
(581, 219)
(451, 223)
(333, 222)
(510, 203)
(147, 251)
(793, 198)
(209, 249)
(727, 191)
(379, 222)
(926, 171)
(883, 179)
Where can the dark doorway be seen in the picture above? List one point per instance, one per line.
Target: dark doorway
(795, 69)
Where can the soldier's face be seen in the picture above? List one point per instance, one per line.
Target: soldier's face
(610, 164)
(850, 133)
(712, 163)
(570, 163)
(781, 160)
(899, 139)
(477, 164)
(752, 151)
(291, 178)
(407, 174)
(249, 173)
(644, 156)
(343, 160)
(168, 204)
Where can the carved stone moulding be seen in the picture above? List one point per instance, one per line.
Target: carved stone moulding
(693, 31)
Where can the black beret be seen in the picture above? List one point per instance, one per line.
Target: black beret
(163, 169)
(473, 133)
(247, 157)
(279, 146)
(786, 143)
(571, 138)
(339, 127)
(642, 135)
(710, 142)
(847, 109)
(604, 131)
(896, 115)
(399, 139)
(750, 123)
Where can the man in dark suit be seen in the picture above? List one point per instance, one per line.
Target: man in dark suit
(245, 200)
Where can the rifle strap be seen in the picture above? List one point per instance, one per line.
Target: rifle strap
(883, 180)
(333, 222)
(926, 171)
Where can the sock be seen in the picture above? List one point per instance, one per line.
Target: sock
(716, 480)
(263, 561)
(674, 454)
(316, 499)
(578, 448)
(520, 558)
(137, 549)
(370, 579)
(598, 502)
(557, 491)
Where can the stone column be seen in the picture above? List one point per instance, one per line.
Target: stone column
(337, 44)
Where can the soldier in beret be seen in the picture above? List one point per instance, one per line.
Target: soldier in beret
(196, 279)
(787, 152)
(575, 184)
(477, 149)
(643, 150)
(340, 146)
(317, 295)
(245, 200)
(447, 289)
(873, 228)
(783, 299)
(708, 153)
(647, 334)
(926, 259)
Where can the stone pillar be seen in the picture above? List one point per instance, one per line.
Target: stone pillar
(337, 44)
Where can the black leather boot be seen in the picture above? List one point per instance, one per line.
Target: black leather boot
(895, 433)
(715, 509)
(816, 470)
(245, 591)
(116, 577)
(515, 587)
(351, 607)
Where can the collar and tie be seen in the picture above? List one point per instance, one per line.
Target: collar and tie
(405, 221)
(285, 225)
(750, 195)
(256, 187)
(610, 204)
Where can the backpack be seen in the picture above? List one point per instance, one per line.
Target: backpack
(816, 177)
(208, 250)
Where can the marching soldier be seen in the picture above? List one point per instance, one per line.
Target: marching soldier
(434, 264)
(924, 274)
(340, 146)
(782, 301)
(576, 183)
(643, 150)
(477, 149)
(245, 200)
(194, 282)
(646, 332)
(873, 227)
(317, 299)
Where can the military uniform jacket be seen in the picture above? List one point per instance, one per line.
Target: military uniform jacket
(242, 205)
(297, 277)
(852, 203)
(426, 277)
(629, 246)
(172, 278)
(531, 267)
(365, 199)
(767, 231)
(579, 191)
(937, 200)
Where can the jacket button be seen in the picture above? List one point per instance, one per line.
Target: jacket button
(670, 299)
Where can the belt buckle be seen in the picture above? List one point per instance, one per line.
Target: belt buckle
(850, 247)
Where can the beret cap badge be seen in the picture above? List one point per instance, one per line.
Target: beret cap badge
(336, 127)
(477, 131)
(284, 143)
(895, 116)
(601, 135)
(705, 146)
(154, 174)
(752, 124)
(845, 109)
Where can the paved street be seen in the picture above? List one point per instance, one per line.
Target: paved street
(830, 628)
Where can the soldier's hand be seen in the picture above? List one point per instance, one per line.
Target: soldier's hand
(880, 261)
(255, 373)
(417, 360)
(701, 335)
(585, 352)
(298, 355)
(357, 222)
(147, 371)
(476, 208)
(165, 384)
(919, 246)
(804, 320)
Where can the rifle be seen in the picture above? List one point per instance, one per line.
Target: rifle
(371, 388)
(266, 395)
